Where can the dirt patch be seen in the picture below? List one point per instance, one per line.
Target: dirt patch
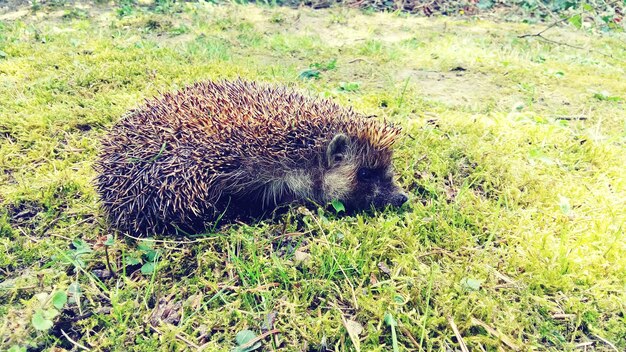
(462, 88)
(336, 29)
(455, 88)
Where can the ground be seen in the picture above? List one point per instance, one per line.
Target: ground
(513, 154)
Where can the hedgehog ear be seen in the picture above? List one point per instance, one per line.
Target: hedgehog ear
(336, 150)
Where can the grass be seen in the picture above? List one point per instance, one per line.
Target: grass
(513, 155)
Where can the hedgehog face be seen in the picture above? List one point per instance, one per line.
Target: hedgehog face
(375, 188)
(358, 186)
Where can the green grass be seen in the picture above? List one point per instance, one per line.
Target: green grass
(513, 153)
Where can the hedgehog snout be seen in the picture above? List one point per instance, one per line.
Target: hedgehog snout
(398, 199)
(394, 197)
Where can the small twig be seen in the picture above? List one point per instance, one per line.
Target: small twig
(60, 236)
(606, 341)
(421, 158)
(74, 342)
(19, 288)
(457, 334)
(251, 343)
(87, 219)
(552, 25)
(262, 287)
(359, 59)
(29, 237)
(178, 336)
(567, 44)
(509, 281)
(563, 316)
(505, 339)
(292, 234)
(408, 334)
(106, 254)
(47, 226)
(538, 34)
(584, 344)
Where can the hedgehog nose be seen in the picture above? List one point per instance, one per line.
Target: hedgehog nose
(399, 199)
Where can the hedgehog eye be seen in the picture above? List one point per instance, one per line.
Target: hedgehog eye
(366, 175)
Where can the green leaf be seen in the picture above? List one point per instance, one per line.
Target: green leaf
(330, 65)
(338, 206)
(309, 74)
(390, 320)
(471, 284)
(392, 323)
(565, 206)
(152, 255)
(74, 292)
(40, 322)
(576, 21)
(74, 289)
(50, 313)
(538, 154)
(349, 86)
(149, 252)
(3, 54)
(147, 268)
(604, 95)
(81, 246)
(17, 348)
(145, 246)
(128, 260)
(110, 241)
(244, 337)
(59, 299)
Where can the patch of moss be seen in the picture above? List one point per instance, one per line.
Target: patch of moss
(513, 154)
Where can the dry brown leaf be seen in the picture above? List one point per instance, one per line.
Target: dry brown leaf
(384, 268)
(166, 311)
(354, 330)
(300, 256)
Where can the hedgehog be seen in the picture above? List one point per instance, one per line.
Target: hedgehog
(222, 149)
